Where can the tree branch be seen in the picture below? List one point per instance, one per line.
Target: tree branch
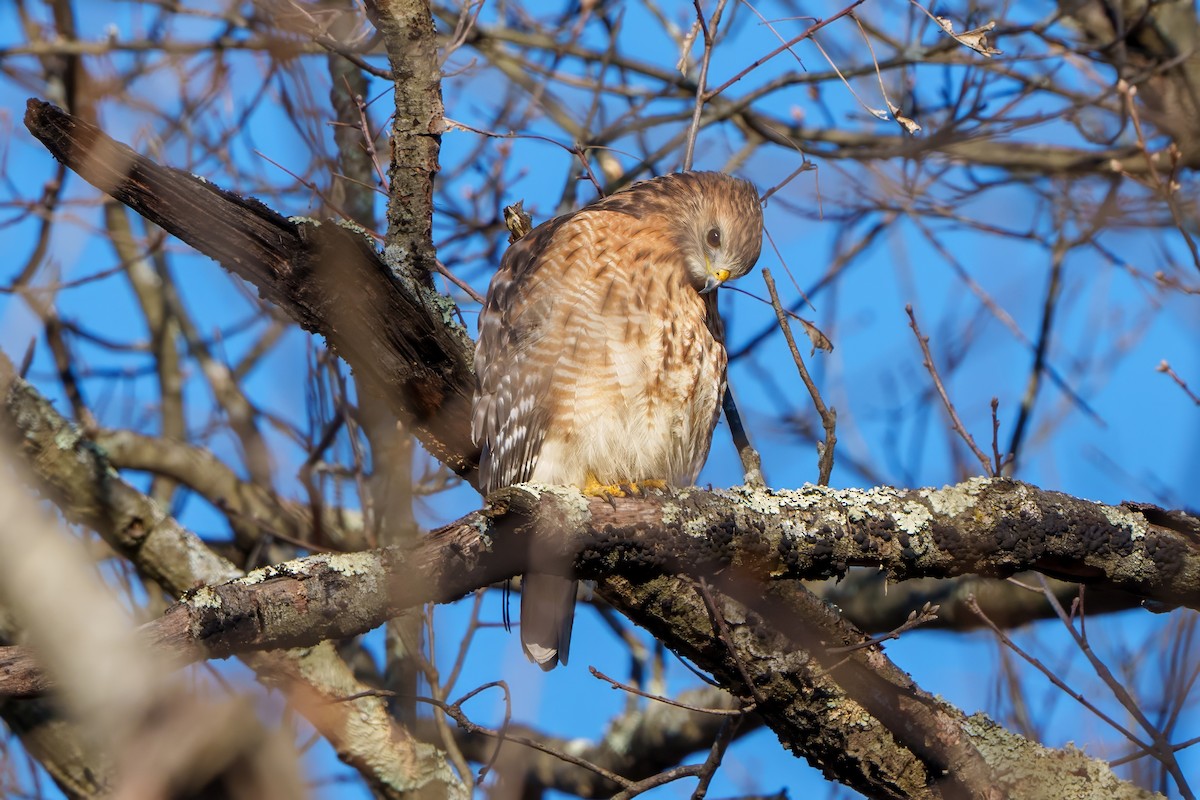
(397, 334)
(751, 544)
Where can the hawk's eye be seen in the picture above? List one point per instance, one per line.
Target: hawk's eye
(713, 238)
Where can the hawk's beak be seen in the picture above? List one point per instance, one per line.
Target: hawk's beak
(715, 278)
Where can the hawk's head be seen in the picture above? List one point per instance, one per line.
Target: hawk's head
(720, 226)
(711, 219)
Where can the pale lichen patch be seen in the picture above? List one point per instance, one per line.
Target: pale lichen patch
(447, 308)
(1125, 518)
(205, 597)
(354, 227)
(952, 501)
(809, 496)
(67, 438)
(670, 513)
(862, 505)
(696, 527)
(353, 564)
(913, 518)
(569, 496)
(1040, 772)
(760, 501)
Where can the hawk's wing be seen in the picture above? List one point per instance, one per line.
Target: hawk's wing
(510, 416)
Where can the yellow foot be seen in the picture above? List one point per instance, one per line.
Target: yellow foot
(595, 488)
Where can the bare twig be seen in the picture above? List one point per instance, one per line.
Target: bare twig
(722, 712)
(718, 621)
(1160, 747)
(917, 618)
(1051, 675)
(1163, 366)
(958, 427)
(709, 30)
(785, 47)
(455, 712)
(715, 754)
(1041, 351)
(751, 461)
(997, 461)
(828, 415)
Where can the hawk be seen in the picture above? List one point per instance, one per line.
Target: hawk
(601, 356)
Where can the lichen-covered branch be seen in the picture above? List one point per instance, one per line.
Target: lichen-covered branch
(790, 648)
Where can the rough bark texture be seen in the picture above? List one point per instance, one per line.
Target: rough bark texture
(411, 42)
(751, 544)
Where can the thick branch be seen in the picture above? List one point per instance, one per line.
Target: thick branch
(397, 334)
(309, 599)
(737, 539)
(411, 43)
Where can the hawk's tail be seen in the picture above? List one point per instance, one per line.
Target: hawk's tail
(547, 614)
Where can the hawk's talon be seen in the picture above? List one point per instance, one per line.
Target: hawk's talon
(594, 488)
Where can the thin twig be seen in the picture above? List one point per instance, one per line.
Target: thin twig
(751, 461)
(828, 415)
(709, 31)
(446, 273)
(1041, 349)
(720, 712)
(1163, 366)
(455, 712)
(654, 781)
(941, 389)
(1161, 747)
(997, 461)
(927, 613)
(1166, 187)
(715, 755)
(786, 46)
(718, 620)
(973, 604)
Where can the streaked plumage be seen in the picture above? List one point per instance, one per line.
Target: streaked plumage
(600, 360)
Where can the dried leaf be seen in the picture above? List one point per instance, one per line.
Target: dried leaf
(910, 125)
(818, 339)
(517, 220)
(685, 49)
(976, 39)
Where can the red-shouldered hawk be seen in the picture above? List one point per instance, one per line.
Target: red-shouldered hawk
(601, 356)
